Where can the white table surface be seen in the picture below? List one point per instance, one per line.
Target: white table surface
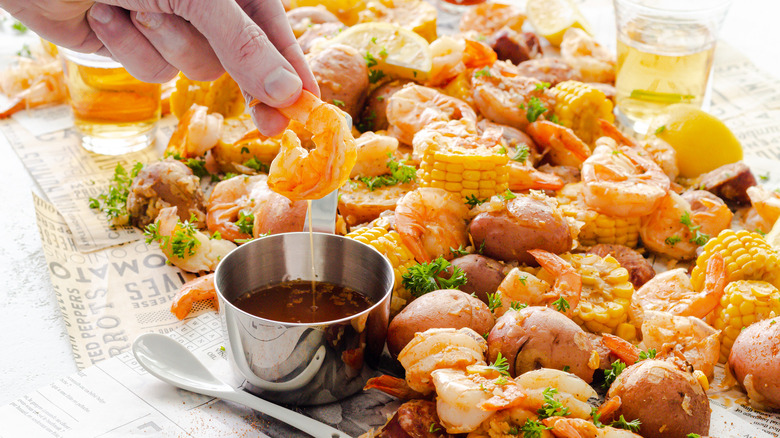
(34, 344)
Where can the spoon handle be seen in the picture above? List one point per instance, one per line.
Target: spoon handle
(299, 421)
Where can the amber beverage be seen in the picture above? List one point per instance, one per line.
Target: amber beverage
(114, 112)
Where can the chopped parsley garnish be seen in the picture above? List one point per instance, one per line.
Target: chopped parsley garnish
(460, 251)
(502, 150)
(375, 75)
(367, 123)
(19, 26)
(516, 305)
(566, 368)
(521, 153)
(383, 52)
(481, 248)
(24, 52)
(649, 354)
(698, 238)
(594, 414)
(245, 222)
(198, 167)
(553, 118)
(764, 177)
(500, 364)
(473, 201)
(672, 240)
(254, 163)
(507, 195)
(426, 277)
(542, 86)
(399, 174)
(216, 236)
(494, 301)
(533, 429)
(758, 230)
(551, 406)
(370, 60)
(535, 109)
(339, 103)
(561, 304)
(522, 279)
(660, 129)
(693, 435)
(244, 150)
(434, 428)
(484, 72)
(621, 423)
(114, 202)
(611, 374)
(380, 98)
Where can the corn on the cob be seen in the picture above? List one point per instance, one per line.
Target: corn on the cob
(606, 295)
(597, 228)
(743, 303)
(748, 256)
(389, 244)
(481, 171)
(579, 106)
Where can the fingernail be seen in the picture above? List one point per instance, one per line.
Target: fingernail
(150, 20)
(101, 13)
(282, 84)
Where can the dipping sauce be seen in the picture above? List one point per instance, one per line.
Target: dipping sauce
(292, 302)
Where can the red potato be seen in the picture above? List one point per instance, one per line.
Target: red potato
(755, 362)
(526, 223)
(483, 273)
(669, 403)
(446, 308)
(342, 75)
(540, 337)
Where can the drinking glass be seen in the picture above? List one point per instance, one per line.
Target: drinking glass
(665, 50)
(114, 112)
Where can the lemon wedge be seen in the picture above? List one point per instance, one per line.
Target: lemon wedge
(703, 143)
(388, 48)
(553, 17)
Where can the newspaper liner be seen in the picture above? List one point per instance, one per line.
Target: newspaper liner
(111, 286)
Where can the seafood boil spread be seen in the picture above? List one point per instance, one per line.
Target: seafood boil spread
(555, 276)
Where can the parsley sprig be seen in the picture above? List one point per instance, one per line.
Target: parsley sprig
(114, 202)
(521, 153)
(183, 241)
(613, 372)
(500, 364)
(551, 406)
(427, 277)
(533, 429)
(245, 222)
(698, 238)
(649, 354)
(621, 423)
(561, 305)
(399, 174)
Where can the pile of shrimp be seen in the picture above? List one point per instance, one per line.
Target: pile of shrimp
(475, 96)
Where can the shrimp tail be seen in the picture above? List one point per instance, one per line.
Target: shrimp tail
(624, 350)
(608, 409)
(478, 55)
(614, 133)
(393, 386)
(568, 282)
(200, 288)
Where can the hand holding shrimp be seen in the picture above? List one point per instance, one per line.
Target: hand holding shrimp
(300, 174)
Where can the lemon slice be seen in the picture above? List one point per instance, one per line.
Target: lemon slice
(389, 48)
(773, 237)
(703, 143)
(553, 17)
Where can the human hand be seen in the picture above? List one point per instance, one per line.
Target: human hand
(153, 40)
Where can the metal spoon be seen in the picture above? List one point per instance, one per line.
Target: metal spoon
(171, 362)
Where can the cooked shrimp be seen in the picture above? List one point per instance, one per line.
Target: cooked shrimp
(563, 427)
(452, 56)
(436, 349)
(197, 289)
(766, 203)
(595, 62)
(32, 83)
(430, 221)
(620, 182)
(624, 350)
(677, 227)
(691, 336)
(458, 396)
(572, 391)
(672, 292)
(660, 151)
(559, 143)
(372, 154)
(241, 203)
(502, 94)
(197, 132)
(489, 17)
(523, 176)
(393, 386)
(511, 137)
(299, 174)
(187, 247)
(519, 286)
(552, 70)
(413, 107)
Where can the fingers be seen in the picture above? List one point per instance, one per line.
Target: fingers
(127, 45)
(271, 17)
(180, 44)
(243, 49)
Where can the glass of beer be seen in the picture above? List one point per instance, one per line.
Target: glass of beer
(114, 112)
(665, 50)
